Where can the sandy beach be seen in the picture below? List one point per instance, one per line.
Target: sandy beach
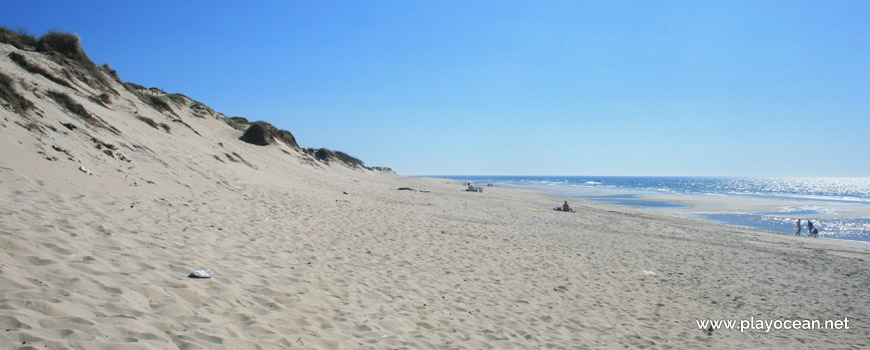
(314, 255)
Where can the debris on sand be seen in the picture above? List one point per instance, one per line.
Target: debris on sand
(201, 274)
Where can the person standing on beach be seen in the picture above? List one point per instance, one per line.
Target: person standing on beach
(809, 227)
(799, 228)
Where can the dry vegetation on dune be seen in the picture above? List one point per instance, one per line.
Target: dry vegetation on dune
(69, 104)
(84, 89)
(263, 134)
(327, 155)
(33, 68)
(66, 50)
(239, 123)
(7, 93)
(18, 38)
(64, 44)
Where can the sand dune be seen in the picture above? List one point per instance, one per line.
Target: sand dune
(319, 255)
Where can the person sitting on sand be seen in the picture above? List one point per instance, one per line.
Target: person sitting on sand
(565, 207)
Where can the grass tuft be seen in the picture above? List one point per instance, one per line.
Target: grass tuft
(133, 87)
(7, 92)
(149, 121)
(178, 99)
(64, 44)
(240, 120)
(159, 103)
(324, 155)
(69, 104)
(18, 38)
(113, 73)
(22, 62)
(348, 159)
(239, 123)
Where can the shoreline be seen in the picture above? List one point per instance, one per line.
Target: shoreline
(842, 220)
(693, 205)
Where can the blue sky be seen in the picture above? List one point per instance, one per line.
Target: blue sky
(732, 88)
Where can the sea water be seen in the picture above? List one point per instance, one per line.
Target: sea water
(817, 197)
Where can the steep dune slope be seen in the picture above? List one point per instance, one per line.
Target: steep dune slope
(123, 134)
(112, 193)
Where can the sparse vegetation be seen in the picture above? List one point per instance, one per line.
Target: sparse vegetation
(112, 73)
(69, 104)
(64, 151)
(31, 126)
(109, 70)
(73, 63)
(102, 99)
(200, 105)
(324, 155)
(381, 169)
(105, 98)
(262, 134)
(65, 44)
(99, 144)
(154, 124)
(240, 120)
(7, 93)
(22, 62)
(178, 99)
(348, 159)
(18, 38)
(65, 49)
(187, 125)
(133, 87)
(243, 160)
(159, 103)
(200, 110)
(238, 123)
(149, 121)
(288, 138)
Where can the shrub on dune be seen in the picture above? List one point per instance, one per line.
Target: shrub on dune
(18, 38)
(65, 44)
(263, 134)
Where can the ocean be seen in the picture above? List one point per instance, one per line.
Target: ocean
(838, 207)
